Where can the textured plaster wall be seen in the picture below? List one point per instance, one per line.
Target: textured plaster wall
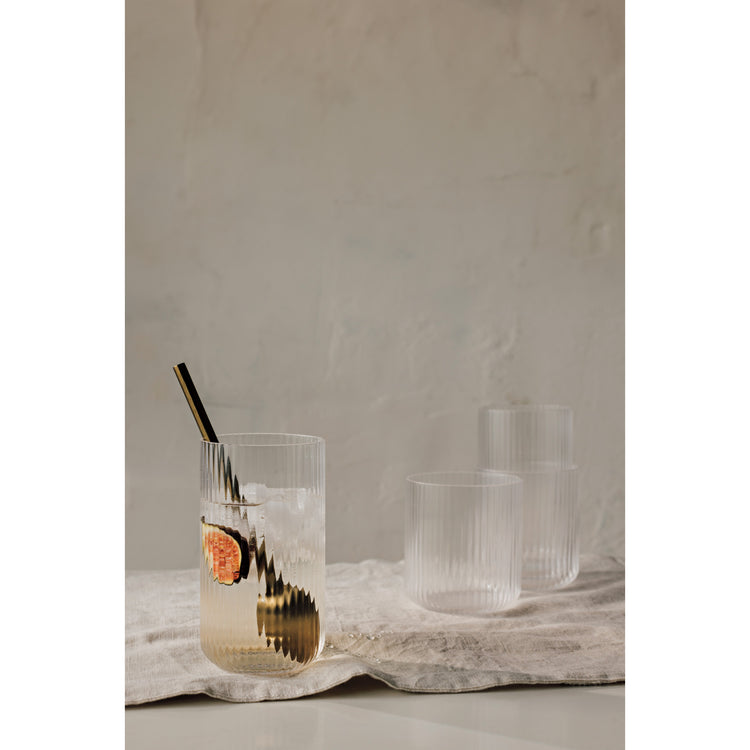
(364, 219)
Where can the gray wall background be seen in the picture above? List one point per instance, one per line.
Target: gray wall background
(365, 219)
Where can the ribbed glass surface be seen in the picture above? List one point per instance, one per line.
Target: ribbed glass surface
(525, 438)
(262, 528)
(536, 444)
(462, 550)
(550, 529)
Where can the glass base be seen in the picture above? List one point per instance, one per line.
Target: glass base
(462, 602)
(541, 576)
(253, 661)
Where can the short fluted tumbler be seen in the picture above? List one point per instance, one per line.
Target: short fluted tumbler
(536, 444)
(462, 541)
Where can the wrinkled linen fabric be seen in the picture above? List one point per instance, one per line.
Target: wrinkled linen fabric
(573, 636)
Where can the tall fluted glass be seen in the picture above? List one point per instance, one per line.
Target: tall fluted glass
(462, 552)
(536, 444)
(262, 525)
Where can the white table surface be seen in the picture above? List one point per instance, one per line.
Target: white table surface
(364, 714)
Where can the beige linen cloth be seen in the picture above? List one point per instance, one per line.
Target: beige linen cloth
(572, 636)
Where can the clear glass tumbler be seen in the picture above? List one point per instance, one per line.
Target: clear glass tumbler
(262, 606)
(536, 444)
(463, 546)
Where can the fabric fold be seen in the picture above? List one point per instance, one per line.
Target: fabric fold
(573, 636)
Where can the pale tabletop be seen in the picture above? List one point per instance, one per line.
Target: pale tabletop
(363, 713)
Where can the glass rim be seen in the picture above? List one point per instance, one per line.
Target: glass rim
(422, 478)
(299, 441)
(526, 407)
(520, 472)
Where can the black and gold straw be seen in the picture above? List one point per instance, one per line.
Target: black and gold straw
(195, 403)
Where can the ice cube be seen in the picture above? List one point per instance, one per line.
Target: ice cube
(254, 493)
